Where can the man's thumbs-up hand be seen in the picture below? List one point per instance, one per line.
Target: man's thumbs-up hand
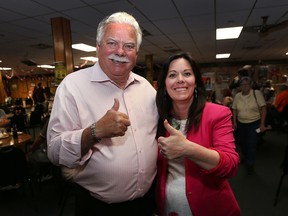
(113, 123)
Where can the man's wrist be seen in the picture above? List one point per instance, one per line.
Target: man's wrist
(93, 133)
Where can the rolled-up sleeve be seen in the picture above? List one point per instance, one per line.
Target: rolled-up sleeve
(65, 130)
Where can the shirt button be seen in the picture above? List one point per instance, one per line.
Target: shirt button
(189, 193)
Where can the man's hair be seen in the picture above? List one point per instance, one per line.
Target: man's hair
(119, 17)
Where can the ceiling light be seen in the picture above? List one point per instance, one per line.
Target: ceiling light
(46, 66)
(5, 68)
(287, 53)
(84, 47)
(224, 55)
(228, 33)
(89, 58)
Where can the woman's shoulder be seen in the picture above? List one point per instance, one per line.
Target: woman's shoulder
(216, 109)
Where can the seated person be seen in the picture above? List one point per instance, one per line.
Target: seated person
(29, 101)
(37, 153)
(4, 121)
(19, 118)
(277, 113)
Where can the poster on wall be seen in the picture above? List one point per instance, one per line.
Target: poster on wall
(209, 80)
(60, 72)
(274, 73)
(223, 77)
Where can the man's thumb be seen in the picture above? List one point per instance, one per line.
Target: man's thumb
(116, 104)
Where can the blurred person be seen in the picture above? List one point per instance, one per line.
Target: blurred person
(249, 115)
(281, 99)
(196, 145)
(234, 85)
(40, 97)
(101, 128)
(4, 121)
(277, 115)
(37, 152)
(19, 118)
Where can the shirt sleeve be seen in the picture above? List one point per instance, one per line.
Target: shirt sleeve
(260, 98)
(65, 130)
(220, 138)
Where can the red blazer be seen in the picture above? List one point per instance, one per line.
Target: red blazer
(208, 192)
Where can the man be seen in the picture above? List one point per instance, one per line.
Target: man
(103, 124)
(40, 98)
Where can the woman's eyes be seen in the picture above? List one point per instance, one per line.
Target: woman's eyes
(185, 74)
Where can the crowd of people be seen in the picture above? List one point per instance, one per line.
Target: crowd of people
(132, 150)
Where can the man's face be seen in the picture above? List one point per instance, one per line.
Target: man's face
(117, 52)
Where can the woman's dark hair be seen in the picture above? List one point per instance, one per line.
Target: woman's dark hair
(164, 102)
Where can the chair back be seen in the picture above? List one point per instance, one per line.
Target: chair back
(35, 118)
(13, 166)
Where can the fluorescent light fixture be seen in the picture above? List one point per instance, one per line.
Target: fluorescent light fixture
(228, 33)
(84, 47)
(89, 58)
(46, 66)
(5, 68)
(224, 55)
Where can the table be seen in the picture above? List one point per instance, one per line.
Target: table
(23, 139)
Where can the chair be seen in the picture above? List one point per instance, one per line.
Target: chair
(13, 169)
(284, 167)
(35, 121)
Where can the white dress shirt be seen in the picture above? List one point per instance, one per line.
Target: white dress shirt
(116, 169)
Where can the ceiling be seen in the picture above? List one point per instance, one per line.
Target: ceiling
(169, 26)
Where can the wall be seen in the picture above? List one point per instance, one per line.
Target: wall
(23, 87)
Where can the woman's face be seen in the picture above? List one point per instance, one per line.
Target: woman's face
(180, 81)
(245, 87)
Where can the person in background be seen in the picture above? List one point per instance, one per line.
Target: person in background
(98, 129)
(281, 102)
(249, 115)
(234, 85)
(19, 118)
(4, 121)
(37, 152)
(40, 97)
(277, 115)
(197, 152)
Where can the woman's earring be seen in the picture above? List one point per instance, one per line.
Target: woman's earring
(195, 93)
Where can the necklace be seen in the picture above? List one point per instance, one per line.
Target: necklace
(176, 124)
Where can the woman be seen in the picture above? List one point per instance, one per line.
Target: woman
(249, 113)
(194, 162)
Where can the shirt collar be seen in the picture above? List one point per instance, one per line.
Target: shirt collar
(98, 75)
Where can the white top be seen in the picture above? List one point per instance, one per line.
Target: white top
(116, 169)
(176, 200)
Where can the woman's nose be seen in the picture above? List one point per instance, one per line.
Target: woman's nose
(180, 78)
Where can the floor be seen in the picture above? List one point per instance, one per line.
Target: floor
(255, 193)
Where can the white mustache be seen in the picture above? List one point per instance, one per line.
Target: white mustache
(118, 58)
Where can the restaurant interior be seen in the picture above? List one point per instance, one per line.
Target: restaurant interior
(30, 54)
